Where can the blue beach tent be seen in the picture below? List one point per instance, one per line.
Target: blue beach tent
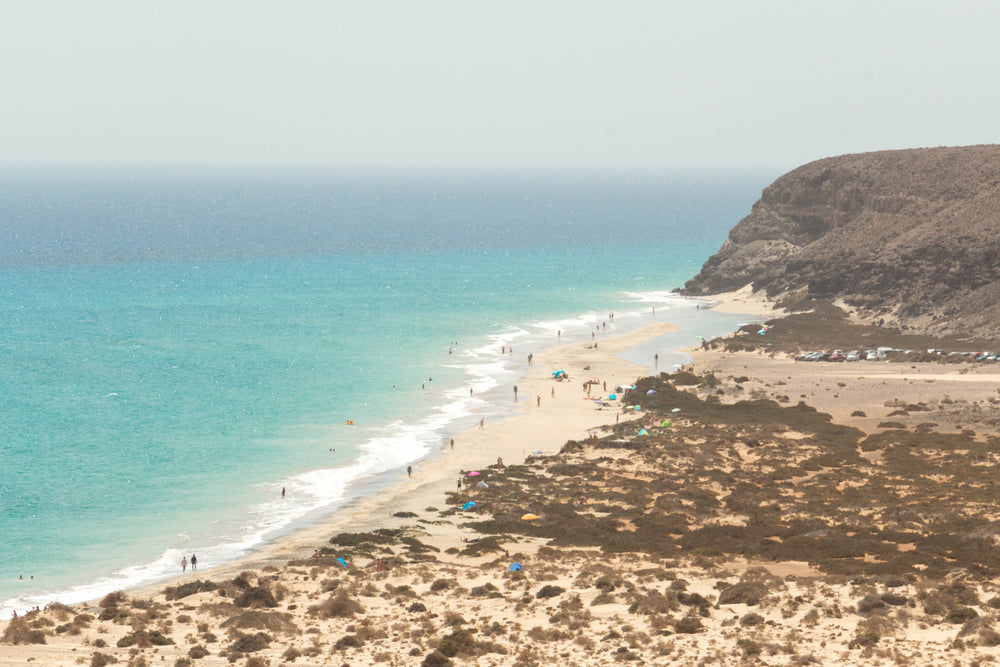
(468, 505)
(516, 567)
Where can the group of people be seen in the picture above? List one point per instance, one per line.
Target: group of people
(194, 563)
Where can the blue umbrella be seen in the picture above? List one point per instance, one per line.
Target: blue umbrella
(468, 505)
(515, 567)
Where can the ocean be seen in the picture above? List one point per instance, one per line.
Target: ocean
(179, 345)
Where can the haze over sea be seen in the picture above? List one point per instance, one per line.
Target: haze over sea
(177, 345)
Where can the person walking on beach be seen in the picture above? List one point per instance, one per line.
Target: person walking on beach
(184, 563)
(453, 443)
(530, 357)
(538, 401)
(409, 471)
(515, 393)
(194, 562)
(481, 423)
(282, 492)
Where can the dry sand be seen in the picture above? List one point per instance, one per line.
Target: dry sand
(476, 610)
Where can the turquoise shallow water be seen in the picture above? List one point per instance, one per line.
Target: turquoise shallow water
(176, 348)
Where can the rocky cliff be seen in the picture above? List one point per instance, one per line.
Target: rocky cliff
(909, 236)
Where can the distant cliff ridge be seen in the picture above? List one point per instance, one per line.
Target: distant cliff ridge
(909, 236)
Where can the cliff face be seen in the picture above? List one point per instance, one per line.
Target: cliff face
(909, 236)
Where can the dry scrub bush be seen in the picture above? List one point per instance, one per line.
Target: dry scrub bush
(102, 659)
(340, 605)
(572, 614)
(197, 652)
(549, 591)
(249, 643)
(262, 620)
(144, 639)
(255, 596)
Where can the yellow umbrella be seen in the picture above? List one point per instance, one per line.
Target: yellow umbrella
(529, 517)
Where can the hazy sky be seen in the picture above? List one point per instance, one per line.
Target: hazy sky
(567, 83)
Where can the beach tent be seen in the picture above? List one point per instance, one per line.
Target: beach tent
(676, 410)
(612, 397)
(665, 422)
(650, 392)
(529, 517)
(643, 432)
(342, 562)
(638, 407)
(537, 452)
(482, 485)
(558, 374)
(516, 567)
(468, 505)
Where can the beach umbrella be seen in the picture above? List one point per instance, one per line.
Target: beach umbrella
(474, 473)
(650, 392)
(468, 505)
(529, 517)
(515, 567)
(537, 452)
(342, 562)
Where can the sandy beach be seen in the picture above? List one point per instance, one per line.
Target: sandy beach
(550, 413)
(422, 587)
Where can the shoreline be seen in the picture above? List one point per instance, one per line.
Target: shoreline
(375, 498)
(589, 598)
(546, 424)
(376, 483)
